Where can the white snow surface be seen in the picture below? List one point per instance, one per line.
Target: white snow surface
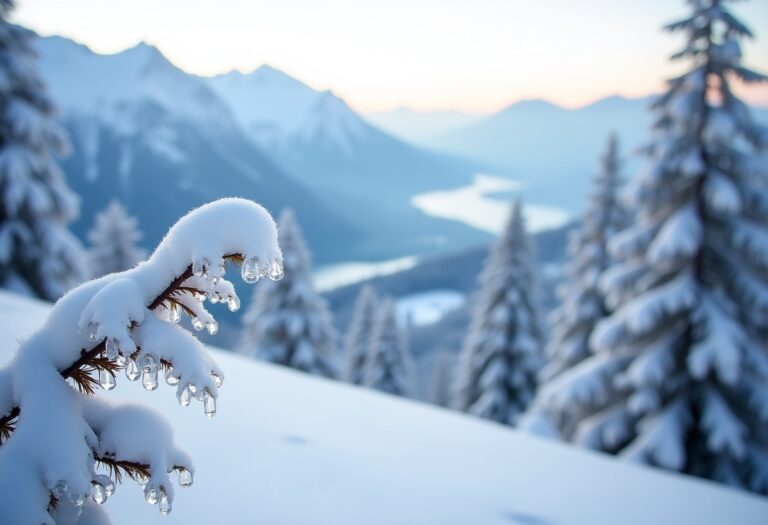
(286, 448)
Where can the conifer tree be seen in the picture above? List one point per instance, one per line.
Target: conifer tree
(359, 335)
(582, 302)
(680, 379)
(113, 241)
(442, 376)
(387, 365)
(38, 254)
(288, 322)
(496, 375)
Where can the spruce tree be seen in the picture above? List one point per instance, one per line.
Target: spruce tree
(387, 365)
(113, 241)
(38, 254)
(681, 372)
(582, 302)
(358, 337)
(496, 375)
(288, 322)
(442, 376)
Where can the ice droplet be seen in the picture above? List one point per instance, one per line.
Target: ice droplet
(233, 303)
(197, 324)
(151, 494)
(209, 404)
(250, 270)
(200, 267)
(112, 348)
(165, 503)
(109, 488)
(184, 396)
(217, 380)
(170, 378)
(132, 371)
(106, 379)
(77, 499)
(174, 315)
(92, 330)
(185, 478)
(213, 297)
(276, 270)
(212, 327)
(149, 369)
(98, 493)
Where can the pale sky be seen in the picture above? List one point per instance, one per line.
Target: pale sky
(466, 55)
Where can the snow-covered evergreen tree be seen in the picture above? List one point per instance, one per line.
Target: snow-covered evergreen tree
(38, 254)
(497, 370)
(442, 379)
(63, 449)
(288, 322)
(680, 378)
(582, 302)
(114, 239)
(358, 336)
(387, 365)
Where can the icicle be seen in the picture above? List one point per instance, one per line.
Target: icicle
(197, 324)
(77, 499)
(132, 371)
(98, 493)
(112, 348)
(185, 478)
(92, 330)
(217, 380)
(209, 404)
(170, 378)
(174, 315)
(151, 495)
(109, 488)
(276, 270)
(165, 503)
(250, 270)
(233, 303)
(106, 379)
(200, 267)
(60, 488)
(184, 396)
(213, 297)
(149, 369)
(212, 327)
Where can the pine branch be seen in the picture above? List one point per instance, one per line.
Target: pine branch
(119, 469)
(81, 371)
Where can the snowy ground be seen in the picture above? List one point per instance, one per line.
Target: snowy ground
(287, 449)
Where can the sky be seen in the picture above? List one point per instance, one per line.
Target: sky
(464, 55)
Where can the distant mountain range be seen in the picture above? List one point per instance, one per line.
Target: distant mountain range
(162, 141)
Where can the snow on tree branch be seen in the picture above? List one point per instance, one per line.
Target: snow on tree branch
(55, 436)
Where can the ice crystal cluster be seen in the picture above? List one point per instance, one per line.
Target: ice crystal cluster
(65, 449)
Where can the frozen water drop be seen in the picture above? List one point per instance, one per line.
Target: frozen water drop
(170, 378)
(212, 327)
(149, 380)
(165, 503)
(112, 348)
(151, 495)
(98, 493)
(77, 499)
(106, 379)
(149, 369)
(92, 330)
(209, 404)
(185, 478)
(174, 315)
(217, 380)
(132, 371)
(276, 270)
(233, 303)
(109, 488)
(184, 396)
(213, 297)
(250, 270)
(197, 324)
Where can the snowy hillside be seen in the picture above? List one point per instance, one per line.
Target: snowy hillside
(290, 449)
(151, 135)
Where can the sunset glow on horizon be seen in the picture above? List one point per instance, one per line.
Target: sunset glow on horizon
(422, 54)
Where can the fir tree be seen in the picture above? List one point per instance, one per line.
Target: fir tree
(38, 255)
(496, 375)
(113, 241)
(387, 363)
(582, 301)
(359, 335)
(442, 376)
(289, 322)
(690, 290)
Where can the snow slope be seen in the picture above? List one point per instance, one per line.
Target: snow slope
(288, 449)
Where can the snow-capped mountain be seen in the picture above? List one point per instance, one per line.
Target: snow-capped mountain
(349, 163)
(162, 142)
